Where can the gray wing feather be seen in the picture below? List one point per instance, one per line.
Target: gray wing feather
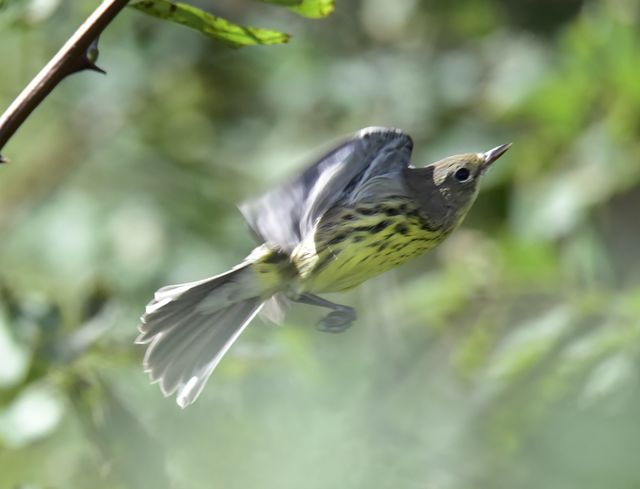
(286, 214)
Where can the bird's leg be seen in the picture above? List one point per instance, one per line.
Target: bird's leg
(339, 319)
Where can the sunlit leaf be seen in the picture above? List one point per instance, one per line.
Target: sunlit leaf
(314, 9)
(283, 3)
(210, 25)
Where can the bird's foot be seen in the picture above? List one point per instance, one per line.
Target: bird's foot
(337, 321)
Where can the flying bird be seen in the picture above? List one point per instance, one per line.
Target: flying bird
(357, 212)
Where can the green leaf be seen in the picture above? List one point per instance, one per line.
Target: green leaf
(216, 27)
(314, 9)
(283, 3)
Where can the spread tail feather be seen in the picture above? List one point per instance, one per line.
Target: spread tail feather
(189, 327)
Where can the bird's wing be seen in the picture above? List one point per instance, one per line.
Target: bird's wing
(284, 215)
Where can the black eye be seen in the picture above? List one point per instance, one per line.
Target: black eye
(462, 174)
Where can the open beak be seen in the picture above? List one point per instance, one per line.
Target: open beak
(495, 153)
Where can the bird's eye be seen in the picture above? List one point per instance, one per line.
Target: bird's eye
(462, 174)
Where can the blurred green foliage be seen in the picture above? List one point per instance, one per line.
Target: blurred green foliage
(508, 358)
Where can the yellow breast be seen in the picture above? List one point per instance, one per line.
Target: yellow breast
(351, 245)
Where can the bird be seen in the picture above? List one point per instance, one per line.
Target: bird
(358, 211)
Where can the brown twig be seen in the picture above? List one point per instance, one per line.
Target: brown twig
(78, 53)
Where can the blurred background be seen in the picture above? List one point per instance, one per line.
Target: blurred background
(508, 358)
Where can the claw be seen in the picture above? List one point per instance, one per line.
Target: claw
(340, 318)
(337, 321)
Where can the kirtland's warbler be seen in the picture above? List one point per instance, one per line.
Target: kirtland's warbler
(357, 212)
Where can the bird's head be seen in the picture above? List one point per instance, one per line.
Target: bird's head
(447, 188)
(457, 176)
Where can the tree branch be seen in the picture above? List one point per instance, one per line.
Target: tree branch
(78, 53)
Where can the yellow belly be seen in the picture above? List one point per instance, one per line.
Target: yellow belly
(352, 245)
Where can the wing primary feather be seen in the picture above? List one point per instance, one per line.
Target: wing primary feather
(283, 216)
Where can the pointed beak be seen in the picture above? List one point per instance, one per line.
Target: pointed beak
(495, 153)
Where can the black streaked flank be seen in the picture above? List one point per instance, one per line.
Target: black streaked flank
(401, 228)
(362, 229)
(337, 239)
(380, 226)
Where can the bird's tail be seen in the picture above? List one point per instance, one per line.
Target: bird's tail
(189, 327)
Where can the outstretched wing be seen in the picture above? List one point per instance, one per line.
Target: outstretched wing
(372, 158)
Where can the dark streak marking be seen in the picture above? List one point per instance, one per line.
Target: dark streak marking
(401, 228)
(367, 211)
(380, 226)
(338, 239)
(323, 262)
(425, 226)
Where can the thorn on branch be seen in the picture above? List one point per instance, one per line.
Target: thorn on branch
(96, 68)
(80, 52)
(3, 160)
(88, 61)
(92, 56)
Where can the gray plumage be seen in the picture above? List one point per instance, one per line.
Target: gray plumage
(371, 159)
(186, 341)
(304, 225)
